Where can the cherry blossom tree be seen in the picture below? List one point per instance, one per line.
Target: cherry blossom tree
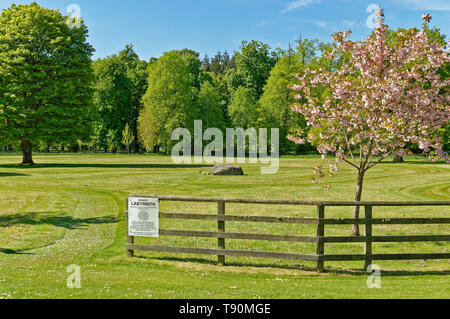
(378, 100)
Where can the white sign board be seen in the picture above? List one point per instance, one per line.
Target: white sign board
(143, 217)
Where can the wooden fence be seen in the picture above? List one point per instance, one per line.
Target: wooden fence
(320, 240)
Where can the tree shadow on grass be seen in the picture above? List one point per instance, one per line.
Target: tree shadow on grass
(3, 174)
(336, 271)
(12, 252)
(413, 162)
(388, 273)
(62, 221)
(131, 166)
(424, 162)
(232, 264)
(406, 273)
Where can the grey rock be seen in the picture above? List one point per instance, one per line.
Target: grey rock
(226, 170)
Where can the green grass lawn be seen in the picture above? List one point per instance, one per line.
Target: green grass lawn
(69, 209)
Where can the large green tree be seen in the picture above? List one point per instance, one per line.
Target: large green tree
(222, 72)
(221, 63)
(45, 78)
(211, 107)
(171, 97)
(253, 65)
(243, 109)
(278, 98)
(121, 82)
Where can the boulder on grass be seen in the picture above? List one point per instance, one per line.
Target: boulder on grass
(226, 170)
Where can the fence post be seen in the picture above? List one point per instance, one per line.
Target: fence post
(130, 239)
(320, 234)
(368, 234)
(221, 228)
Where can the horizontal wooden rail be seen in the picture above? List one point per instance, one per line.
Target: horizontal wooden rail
(303, 239)
(386, 204)
(269, 237)
(224, 252)
(232, 218)
(278, 255)
(293, 202)
(387, 239)
(312, 221)
(387, 221)
(384, 257)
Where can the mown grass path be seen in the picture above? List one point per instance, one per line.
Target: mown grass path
(69, 210)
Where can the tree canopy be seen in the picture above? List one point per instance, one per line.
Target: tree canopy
(171, 96)
(45, 78)
(121, 81)
(381, 98)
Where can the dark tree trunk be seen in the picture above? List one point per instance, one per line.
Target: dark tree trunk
(137, 148)
(359, 189)
(27, 151)
(398, 159)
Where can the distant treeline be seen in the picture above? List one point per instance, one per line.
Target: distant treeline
(134, 105)
(247, 89)
(138, 103)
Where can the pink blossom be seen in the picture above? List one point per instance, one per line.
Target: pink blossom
(387, 106)
(427, 17)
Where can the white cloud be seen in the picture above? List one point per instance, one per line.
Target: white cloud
(432, 5)
(298, 4)
(329, 26)
(349, 23)
(321, 24)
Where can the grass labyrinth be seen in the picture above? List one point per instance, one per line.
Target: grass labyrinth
(70, 210)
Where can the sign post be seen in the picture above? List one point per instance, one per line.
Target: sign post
(143, 217)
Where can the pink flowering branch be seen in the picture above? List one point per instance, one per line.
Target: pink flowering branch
(380, 99)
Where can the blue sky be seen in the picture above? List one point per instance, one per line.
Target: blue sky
(207, 26)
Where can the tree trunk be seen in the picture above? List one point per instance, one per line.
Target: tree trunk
(137, 148)
(27, 151)
(398, 159)
(359, 189)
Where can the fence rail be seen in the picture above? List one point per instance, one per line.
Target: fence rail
(320, 222)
